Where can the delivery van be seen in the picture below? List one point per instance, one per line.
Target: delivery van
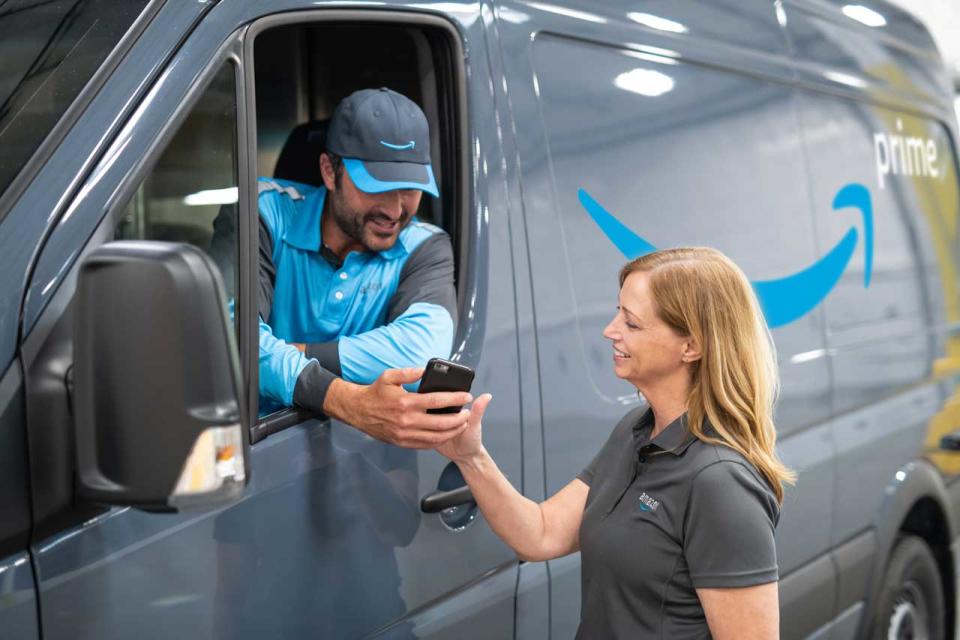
(143, 494)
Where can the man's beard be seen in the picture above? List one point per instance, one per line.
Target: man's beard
(354, 225)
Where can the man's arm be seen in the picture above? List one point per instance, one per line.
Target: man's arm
(287, 377)
(383, 409)
(421, 317)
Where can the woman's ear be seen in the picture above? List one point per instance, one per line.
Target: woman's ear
(691, 351)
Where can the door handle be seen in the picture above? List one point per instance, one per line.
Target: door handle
(442, 500)
(951, 441)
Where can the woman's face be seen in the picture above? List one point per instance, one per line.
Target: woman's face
(645, 349)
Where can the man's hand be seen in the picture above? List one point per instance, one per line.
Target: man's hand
(388, 412)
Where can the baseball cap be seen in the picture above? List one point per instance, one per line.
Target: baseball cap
(384, 140)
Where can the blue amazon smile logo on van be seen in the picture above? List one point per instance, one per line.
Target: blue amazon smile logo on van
(785, 299)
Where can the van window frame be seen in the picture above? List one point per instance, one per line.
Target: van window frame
(450, 70)
(57, 508)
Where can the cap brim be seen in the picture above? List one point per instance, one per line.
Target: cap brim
(377, 177)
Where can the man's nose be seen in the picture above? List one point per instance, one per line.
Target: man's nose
(390, 201)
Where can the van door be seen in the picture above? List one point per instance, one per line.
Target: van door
(18, 603)
(660, 119)
(328, 540)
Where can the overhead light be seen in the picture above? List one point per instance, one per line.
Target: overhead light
(864, 15)
(656, 22)
(212, 197)
(646, 82)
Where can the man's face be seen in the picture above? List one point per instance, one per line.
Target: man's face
(373, 220)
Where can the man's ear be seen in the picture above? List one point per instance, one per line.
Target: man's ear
(327, 173)
(691, 351)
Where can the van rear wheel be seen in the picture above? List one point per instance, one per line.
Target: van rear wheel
(911, 603)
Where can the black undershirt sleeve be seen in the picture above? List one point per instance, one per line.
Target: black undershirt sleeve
(223, 246)
(267, 272)
(427, 276)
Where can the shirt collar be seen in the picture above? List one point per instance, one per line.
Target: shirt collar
(675, 437)
(304, 231)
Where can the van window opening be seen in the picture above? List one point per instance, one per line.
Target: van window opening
(303, 71)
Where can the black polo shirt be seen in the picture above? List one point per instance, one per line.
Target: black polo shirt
(663, 518)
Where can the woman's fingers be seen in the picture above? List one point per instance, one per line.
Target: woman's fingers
(479, 407)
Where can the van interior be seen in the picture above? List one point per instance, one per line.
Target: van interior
(304, 71)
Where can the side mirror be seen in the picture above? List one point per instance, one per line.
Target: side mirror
(157, 391)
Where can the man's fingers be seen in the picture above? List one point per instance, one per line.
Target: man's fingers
(401, 376)
(441, 421)
(442, 399)
(433, 439)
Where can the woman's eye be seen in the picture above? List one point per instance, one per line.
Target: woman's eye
(631, 326)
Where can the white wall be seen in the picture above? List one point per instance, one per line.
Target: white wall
(942, 17)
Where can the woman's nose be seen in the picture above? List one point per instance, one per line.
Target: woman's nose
(610, 331)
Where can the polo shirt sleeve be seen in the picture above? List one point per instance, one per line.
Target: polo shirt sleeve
(420, 317)
(586, 476)
(620, 439)
(287, 377)
(729, 528)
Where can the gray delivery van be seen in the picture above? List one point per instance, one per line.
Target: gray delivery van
(142, 493)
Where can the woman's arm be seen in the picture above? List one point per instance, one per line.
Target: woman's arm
(535, 531)
(747, 613)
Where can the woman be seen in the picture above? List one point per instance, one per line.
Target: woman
(675, 516)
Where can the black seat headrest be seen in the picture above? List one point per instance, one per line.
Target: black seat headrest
(299, 160)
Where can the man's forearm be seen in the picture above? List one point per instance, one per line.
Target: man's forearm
(341, 396)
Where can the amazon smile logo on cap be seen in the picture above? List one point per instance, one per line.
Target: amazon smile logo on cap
(400, 147)
(785, 299)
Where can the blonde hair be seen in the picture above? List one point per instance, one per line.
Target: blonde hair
(699, 292)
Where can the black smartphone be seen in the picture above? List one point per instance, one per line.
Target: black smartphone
(443, 375)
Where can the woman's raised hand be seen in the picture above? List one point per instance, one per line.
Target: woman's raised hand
(469, 443)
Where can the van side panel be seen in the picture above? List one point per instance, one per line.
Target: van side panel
(884, 48)
(677, 154)
(888, 320)
(892, 320)
(18, 602)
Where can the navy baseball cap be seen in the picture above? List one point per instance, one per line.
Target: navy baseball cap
(384, 140)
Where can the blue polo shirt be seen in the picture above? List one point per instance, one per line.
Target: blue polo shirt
(376, 310)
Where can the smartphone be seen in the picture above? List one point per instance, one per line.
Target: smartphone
(443, 375)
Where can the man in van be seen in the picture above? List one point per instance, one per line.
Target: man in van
(352, 288)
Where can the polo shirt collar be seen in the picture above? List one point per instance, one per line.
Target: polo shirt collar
(675, 438)
(304, 231)
(398, 250)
